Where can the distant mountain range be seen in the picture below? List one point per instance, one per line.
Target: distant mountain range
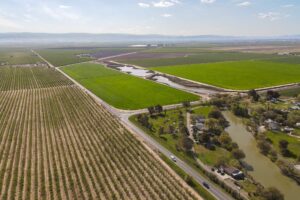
(44, 38)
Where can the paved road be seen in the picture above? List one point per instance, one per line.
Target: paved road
(124, 118)
(215, 191)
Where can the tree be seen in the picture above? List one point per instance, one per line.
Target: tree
(186, 104)
(238, 154)
(213, 126)
(188, 144)
(273, 194)
(255, 96)
(240, 111)
(161, 131)
(225, 138)
(158, 109)
(151, 110)
(215, 113)
(293, 117)
(273, 155)
(264, 147)
(171, 129)
(283, 145)
(204, 138)
(272, 94)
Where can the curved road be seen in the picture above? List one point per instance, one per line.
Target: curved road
(124, 118)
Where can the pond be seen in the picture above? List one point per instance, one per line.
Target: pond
(164, 80)
(135, 71)
(263, 170)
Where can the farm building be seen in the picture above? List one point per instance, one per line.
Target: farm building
(234, 173)
(272, 125)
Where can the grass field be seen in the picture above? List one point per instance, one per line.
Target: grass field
(60, 57)
(66, 56)
(293, 92)
(58, 143)
(18, 56)
(294, 143)
(287, 59)
(241, 75)
(125, 91)
(204, 57)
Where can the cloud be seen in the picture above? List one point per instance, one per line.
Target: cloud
(144, 5)
(288, 6)
(165, 3)
(244, 4)
(60, 13)
(272, 16)
(166, 15)
(4, 22)
(64, 6)
(208, 1)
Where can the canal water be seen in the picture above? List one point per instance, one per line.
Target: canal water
(263, 170)
(164, 80)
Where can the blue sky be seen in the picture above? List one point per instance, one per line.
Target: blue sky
(171, 17)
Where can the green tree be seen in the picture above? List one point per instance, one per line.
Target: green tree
(238, 154)
(273, 194)
(188, 144)
(264, 147)
(254, 95)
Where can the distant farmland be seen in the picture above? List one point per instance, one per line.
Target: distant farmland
(58, 143)
(242, 75)
(193, 58)
(66, 56)
(125, 91)
(60, 57)
(17, 56)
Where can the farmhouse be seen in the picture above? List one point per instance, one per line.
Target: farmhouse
(234, 173)
(272, 125)
(288, 129)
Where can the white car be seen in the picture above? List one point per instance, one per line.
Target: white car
(173, 158)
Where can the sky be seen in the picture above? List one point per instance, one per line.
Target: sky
(167, 17)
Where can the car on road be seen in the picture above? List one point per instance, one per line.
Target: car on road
(206, 185)
(173, 158)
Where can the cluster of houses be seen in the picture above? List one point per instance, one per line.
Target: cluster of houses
(198, 129)
(275, 126)
(199, 126)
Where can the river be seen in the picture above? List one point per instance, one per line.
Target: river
(264, 170)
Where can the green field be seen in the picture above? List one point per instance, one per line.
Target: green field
(287, 59)
(196, 58)
(293, 92)
(67, 56)
(125, 91)
(60, 57)
(242, 75)
(294, 143)
(17, 56)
